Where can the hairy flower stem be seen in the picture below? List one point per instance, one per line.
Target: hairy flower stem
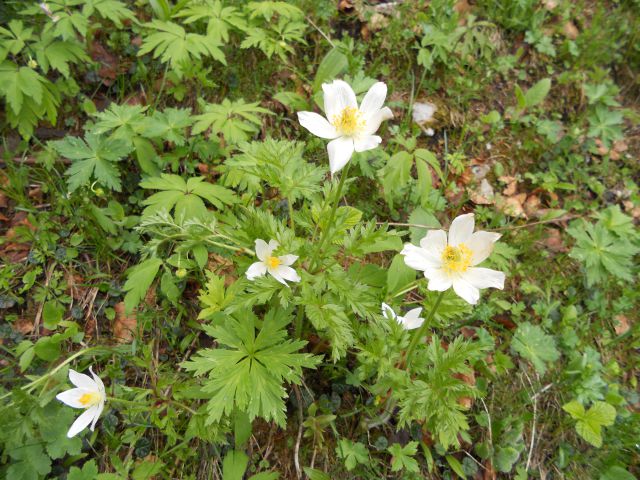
(421, 331)
(332, 214)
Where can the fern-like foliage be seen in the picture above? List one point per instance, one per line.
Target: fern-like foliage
(434, 396)
(278, 39)
(173, 45)
(248, 371)
(277, 163)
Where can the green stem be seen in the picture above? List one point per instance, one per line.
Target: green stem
(423, 328)
(30, 386)
(292, 223)
(332, 214)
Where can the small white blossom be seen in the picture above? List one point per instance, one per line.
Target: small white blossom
(349, 127)
(88, 394)
(451, 261)
(410, 321)
(278, 267)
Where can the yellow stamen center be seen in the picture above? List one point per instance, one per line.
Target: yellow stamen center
(456, 259)
(349, 121)
(89, 399)
(273, 262)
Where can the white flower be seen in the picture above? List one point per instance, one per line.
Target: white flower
(423, 112)
(278, 267)
(451, 261)
(89, 394)
(410, 321)
(348, 127)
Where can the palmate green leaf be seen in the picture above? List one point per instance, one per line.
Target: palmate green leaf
(114, 10)
(606, 125)
(534, 345)
(13, 39)
(353, 453)
(589, 423)
(250, 372)
(235, 121)
(186, 196)
(122, 121)
(18, 83)
(139, 279)
(219, 18)
(332, 321)
(58, 54)
(169, 125)
(402, 457)
(173, 45)
(601, 252)
(278, 39)
(267, 9)
(92, 158)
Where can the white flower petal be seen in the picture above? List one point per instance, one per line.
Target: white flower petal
(340, 151)
(288, 259)
(373, 121)
(374, 99)
(337, 96)
(275, 274)
(387, 312)
(484, 278)
(362, 144)
(412, 319)
(99, 383)
(439, 281)
(82, 421)
(72, 397)
(434, 241)
(273, 244)
(420, 258)
(97, 416)
(286, 273)
(461, 229)
(263, 250)
(317, 124)
(257, 269)
(481, 245)
(81, 380)
(466, 291)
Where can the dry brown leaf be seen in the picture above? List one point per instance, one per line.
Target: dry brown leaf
(512, 185)
(532, 205)
(622, 324)
(23, 326)
(570, 30)
(483, 195)
(124, 326)
(553, 240)
(512, 206)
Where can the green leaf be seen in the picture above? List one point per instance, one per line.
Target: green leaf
(139, 279)
(536, 94)
(52, 314)
(89, 471)
(93, 157)
(147, 470)
(455, 465)
(334, 64)
(234, 465)
(402, 457)
(534, 345)
(187, 197)
(314, 474)
(247, 371)
(173, 45)
(617, 473)
(589, 424)
(236, 121)
(399, 275)
(505, 458)
(353, 453)
(169, 125)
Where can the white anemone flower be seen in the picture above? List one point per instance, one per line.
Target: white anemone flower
(89, 394)
(349, 127)
(451, 261)
(410, 321)
(278, 267)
